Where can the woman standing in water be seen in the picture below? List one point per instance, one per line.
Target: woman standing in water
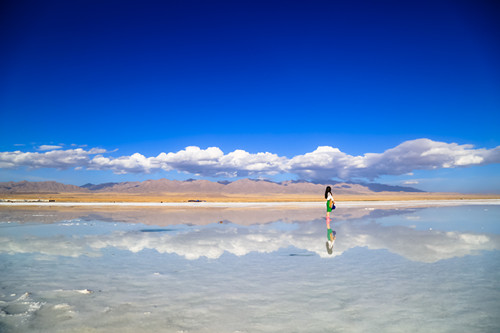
(330, 205)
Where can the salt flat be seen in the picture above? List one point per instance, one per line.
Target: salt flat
(250, 268)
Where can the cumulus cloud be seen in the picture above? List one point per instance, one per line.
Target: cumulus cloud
(58, 159)
(136, 163)
(420, 154)
(323, 163)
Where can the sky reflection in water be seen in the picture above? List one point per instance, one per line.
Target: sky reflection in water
(420, 269)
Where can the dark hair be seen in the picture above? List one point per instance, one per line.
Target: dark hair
(328, 190)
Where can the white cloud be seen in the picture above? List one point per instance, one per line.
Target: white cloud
(49, 147)
(192, 160)
(58, 159)
(205, 162)
(323, 163)
(411, 182)
(421, 154)
(136, 163)
(242, 163)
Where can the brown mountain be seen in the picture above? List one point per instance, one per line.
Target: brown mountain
(39, 187)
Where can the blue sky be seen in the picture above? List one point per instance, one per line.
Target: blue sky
(377, 81)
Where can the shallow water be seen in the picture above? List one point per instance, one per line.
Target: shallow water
(434, 269)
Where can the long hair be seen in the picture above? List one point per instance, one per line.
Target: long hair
(328, 190)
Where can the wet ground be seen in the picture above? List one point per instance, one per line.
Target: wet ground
(267, 269)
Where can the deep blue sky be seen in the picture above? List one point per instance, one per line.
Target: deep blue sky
(263, 76)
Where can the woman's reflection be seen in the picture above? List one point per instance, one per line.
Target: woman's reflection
(330, 236)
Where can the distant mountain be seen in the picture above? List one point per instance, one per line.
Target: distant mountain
(38, 187)
(241, 186)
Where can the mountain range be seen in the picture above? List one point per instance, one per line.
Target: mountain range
(241, 186)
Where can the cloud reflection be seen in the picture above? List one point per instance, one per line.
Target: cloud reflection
(417, 245)
(50, 246)
(212, 241)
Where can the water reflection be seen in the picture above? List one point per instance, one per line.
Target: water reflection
(178, 215)
(77, 238)
(84, 271)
